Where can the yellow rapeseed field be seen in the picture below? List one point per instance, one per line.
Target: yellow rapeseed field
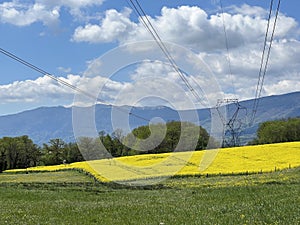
(248, 159)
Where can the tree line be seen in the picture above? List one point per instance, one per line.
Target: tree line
(284, 130)
(21, 152)
(156, 138)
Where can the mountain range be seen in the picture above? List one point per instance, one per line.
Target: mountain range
(45, 123)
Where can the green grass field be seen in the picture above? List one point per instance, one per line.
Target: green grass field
(70, 197)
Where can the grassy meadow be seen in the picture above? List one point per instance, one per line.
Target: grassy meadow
(238, 187)
(70, 197)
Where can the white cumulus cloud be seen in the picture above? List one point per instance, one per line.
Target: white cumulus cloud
(186, 25)
(189, 26)
(115, 25)
(46, 90)
(46, 11)
(192, 27)
(24, 14)
(33, 90)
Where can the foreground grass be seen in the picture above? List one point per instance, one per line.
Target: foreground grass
(46, 177)
(69, 197)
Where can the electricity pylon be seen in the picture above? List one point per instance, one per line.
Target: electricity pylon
(231, 114)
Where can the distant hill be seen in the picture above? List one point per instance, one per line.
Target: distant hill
(273, 108)
(45, 123)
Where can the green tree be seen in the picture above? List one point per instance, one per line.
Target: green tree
(3, 163)
(92, 148)
(118, 139)
(87, 146)
(72, 153)
(18, 152)
(29, 152)
(54, 152)
(278, 131)
(12, 152)
(175, 135)
(109, 144)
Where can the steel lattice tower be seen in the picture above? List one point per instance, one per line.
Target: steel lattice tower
(231, 115)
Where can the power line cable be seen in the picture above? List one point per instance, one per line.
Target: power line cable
(264, 62)
(227, 46)
(136, 6)
(41, 71)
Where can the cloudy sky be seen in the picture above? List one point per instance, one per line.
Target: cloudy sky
(100, 46)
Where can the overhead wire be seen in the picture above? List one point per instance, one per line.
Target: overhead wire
(264, 59)
(136, 6)
(59, 80)
(41, 71)
(227, 45)
(259, 81)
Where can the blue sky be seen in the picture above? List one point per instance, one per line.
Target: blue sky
(66, 38)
